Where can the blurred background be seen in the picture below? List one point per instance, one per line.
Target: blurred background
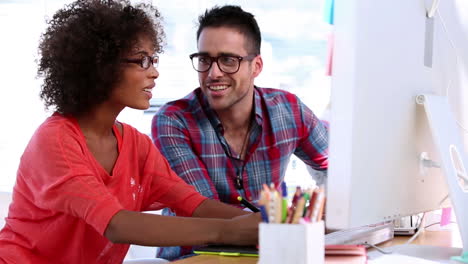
(294, 49)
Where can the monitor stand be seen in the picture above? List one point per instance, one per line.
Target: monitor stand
(453, 159)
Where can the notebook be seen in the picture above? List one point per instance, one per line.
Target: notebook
(345, 250)
(334, 251)
(227, 250)
(349, 254)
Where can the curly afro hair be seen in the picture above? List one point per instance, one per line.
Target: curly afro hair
(80, 52)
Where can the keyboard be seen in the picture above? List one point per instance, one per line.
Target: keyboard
(370, 234)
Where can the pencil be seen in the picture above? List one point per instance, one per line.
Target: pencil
(299, 211)
(247, 204)
(317, 205)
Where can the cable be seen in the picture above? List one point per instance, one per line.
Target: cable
(451, 222)
(381, 250)
(435, 4)
(420, 229)
(413, 237)
(443, 200)
(456, 63)
(420, 222)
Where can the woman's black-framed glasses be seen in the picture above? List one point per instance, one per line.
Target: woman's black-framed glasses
(226, 63)
(145, 61)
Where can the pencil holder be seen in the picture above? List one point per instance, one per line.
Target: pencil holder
(292, 243)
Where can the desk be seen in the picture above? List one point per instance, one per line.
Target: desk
(441, 238)
(444, 238)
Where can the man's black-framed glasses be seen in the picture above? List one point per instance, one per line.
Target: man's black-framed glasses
(145, 61)
(226, 63)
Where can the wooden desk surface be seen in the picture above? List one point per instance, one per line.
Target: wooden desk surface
(442, 238)
(446, 238)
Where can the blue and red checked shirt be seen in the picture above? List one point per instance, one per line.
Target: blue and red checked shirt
(190, 135)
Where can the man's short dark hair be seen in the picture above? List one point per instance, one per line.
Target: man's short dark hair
(236, 18)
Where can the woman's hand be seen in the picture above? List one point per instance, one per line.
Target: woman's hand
(241, 230)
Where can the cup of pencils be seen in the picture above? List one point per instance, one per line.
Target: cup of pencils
(291, 232)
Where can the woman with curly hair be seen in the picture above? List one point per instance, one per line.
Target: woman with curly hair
(85, 178)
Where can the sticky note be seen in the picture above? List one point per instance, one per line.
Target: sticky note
(329, 10)
(445, 217)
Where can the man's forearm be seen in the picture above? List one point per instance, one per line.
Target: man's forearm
(216, 209)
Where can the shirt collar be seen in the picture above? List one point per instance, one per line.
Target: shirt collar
(258, 106)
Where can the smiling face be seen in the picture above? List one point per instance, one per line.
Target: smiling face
(227, 92)
(136, 83)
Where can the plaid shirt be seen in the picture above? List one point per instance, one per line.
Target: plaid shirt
(190, 135)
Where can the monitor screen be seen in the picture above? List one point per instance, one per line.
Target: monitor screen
(385, 54)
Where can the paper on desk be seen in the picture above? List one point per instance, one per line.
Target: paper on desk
(400, 259)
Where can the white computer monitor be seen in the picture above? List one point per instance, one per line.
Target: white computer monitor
(385, 55)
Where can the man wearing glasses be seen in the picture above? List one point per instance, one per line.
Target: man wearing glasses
(229, 137)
